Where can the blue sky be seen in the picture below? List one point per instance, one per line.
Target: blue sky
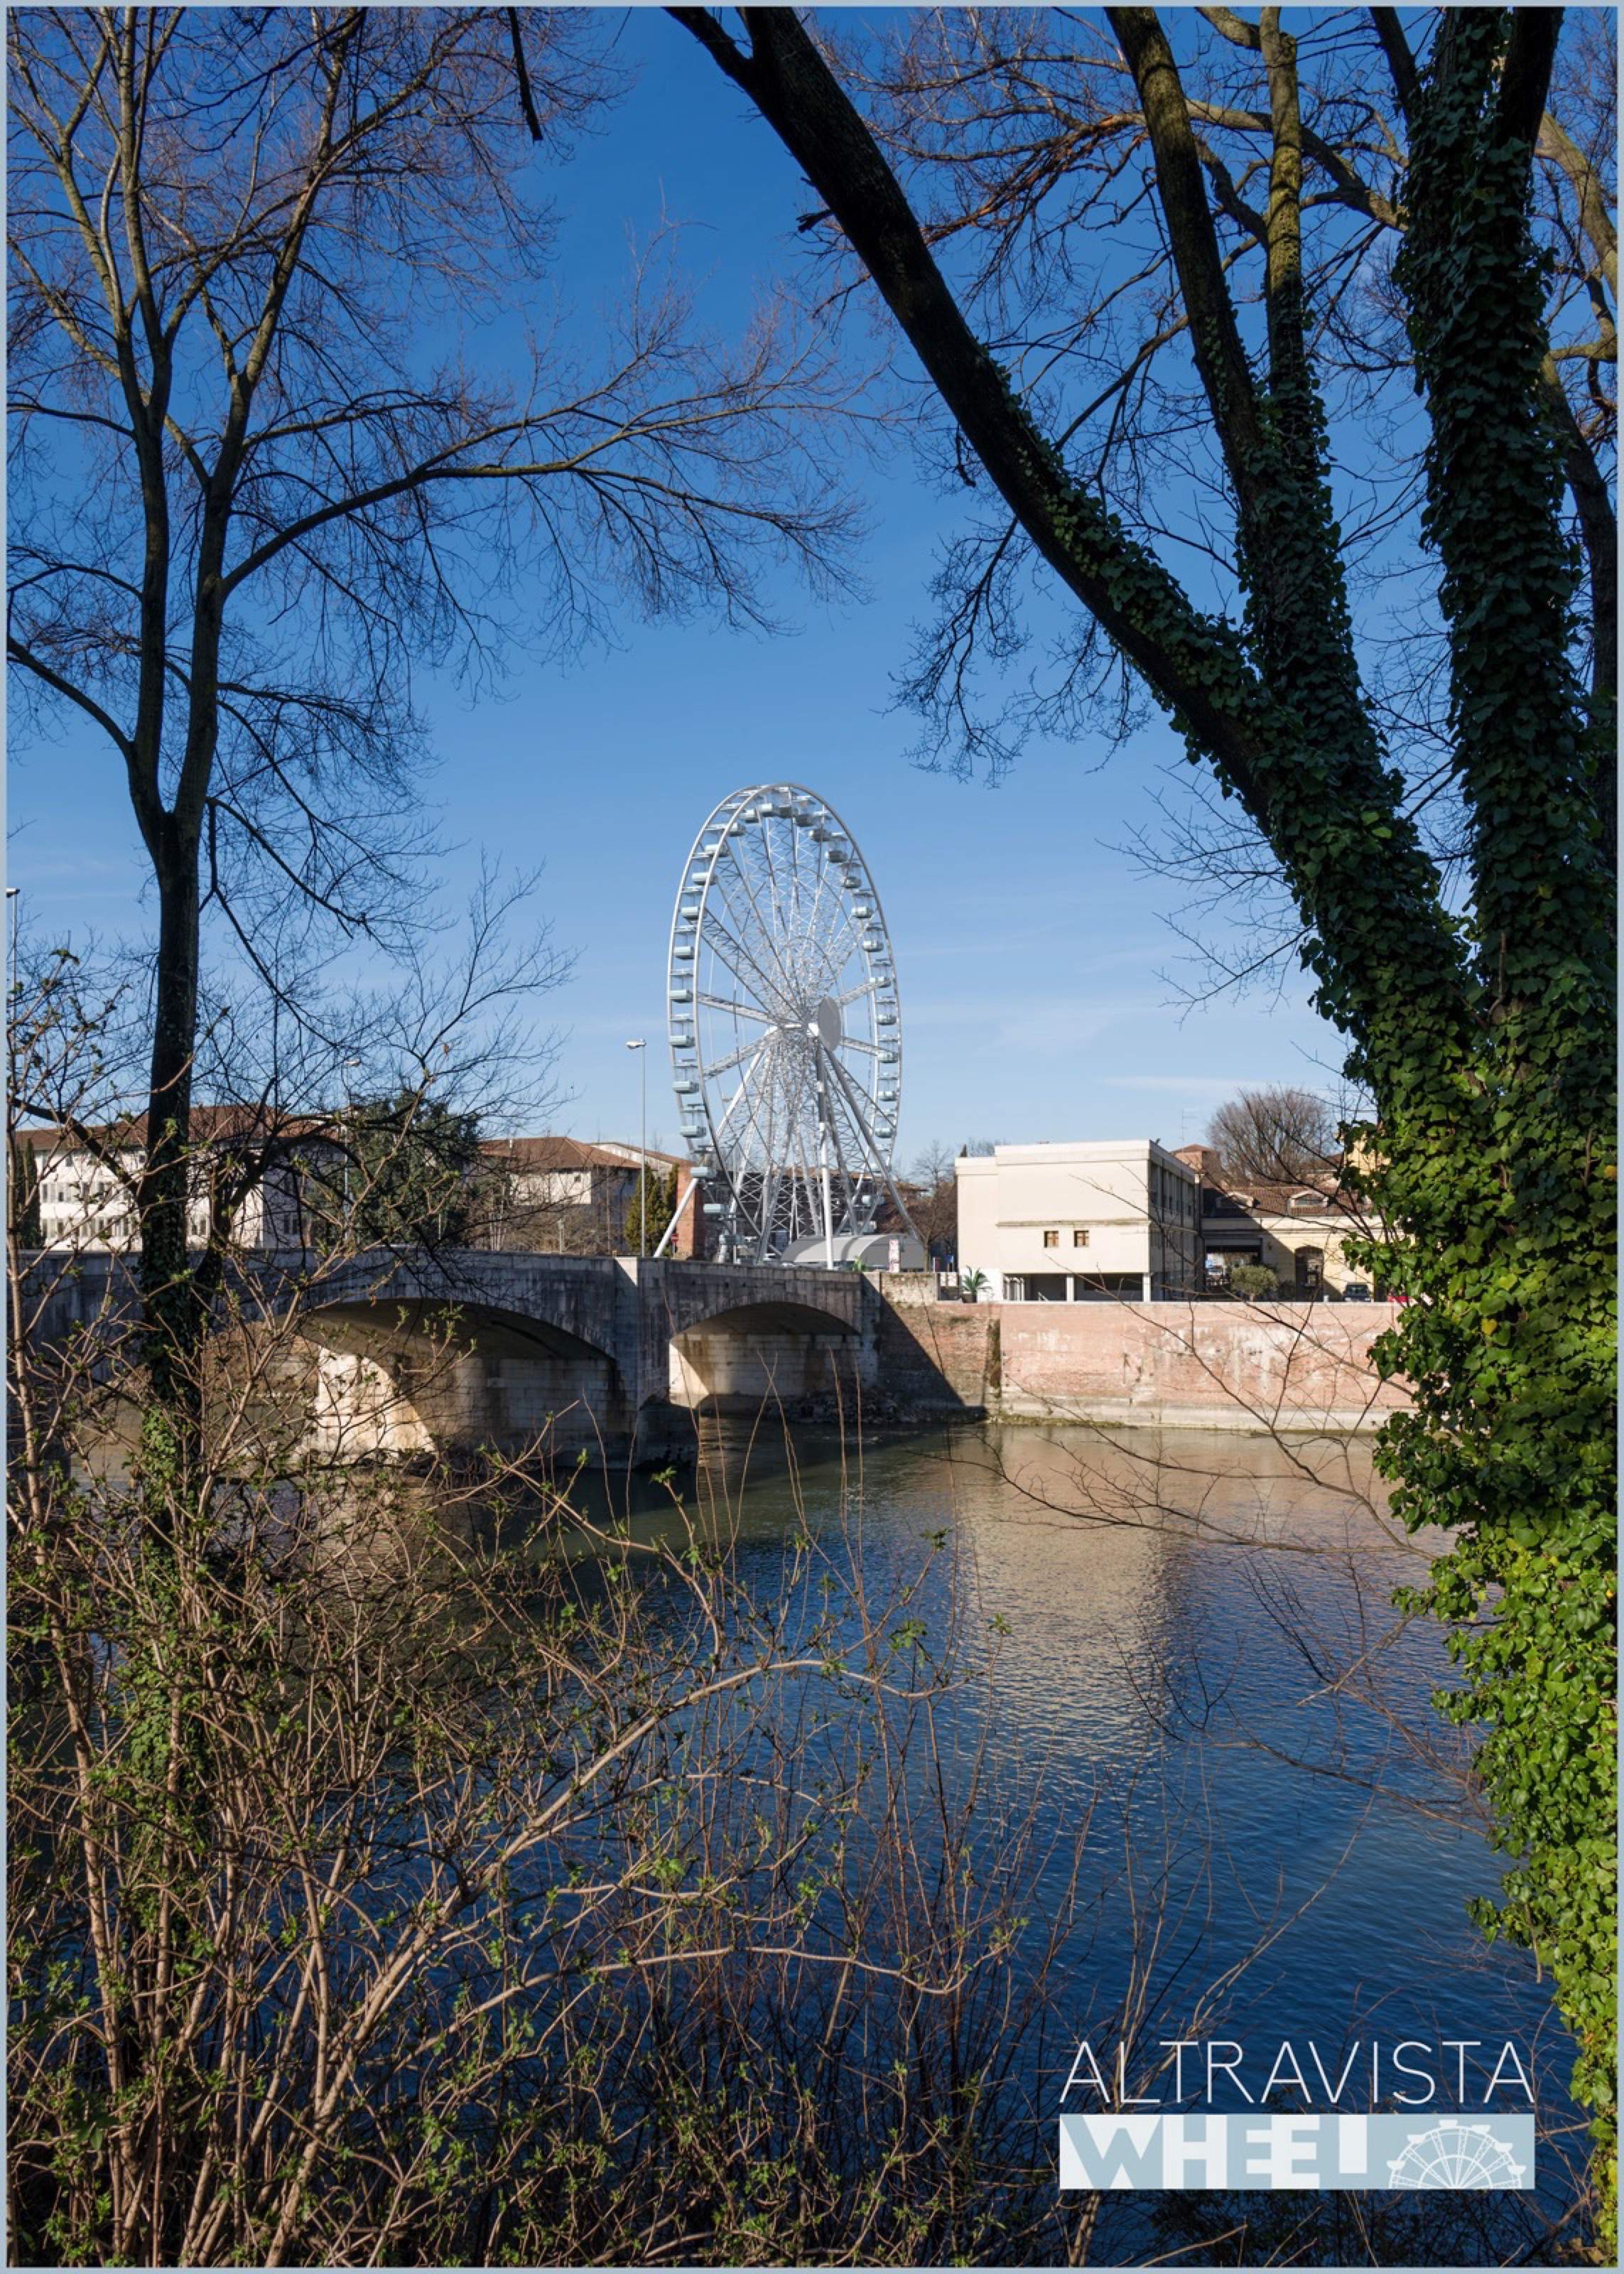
(1030, 955)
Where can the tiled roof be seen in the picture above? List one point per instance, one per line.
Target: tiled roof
(210, 1124)
(1275, 1199)
(555, 1153)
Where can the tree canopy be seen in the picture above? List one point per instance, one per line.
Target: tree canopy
(267, 467)
(408, 1169)
(660, 1186)
(1276, 1135)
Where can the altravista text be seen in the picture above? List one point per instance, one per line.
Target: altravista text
(1410, 2072)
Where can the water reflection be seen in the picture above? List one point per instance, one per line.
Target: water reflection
(1179, 1656)
(1189, 1649)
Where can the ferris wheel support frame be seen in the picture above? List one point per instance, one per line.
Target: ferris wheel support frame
(897, 1202)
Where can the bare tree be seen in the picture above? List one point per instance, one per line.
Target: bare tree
(1278, 1135)
(1024, 141)
(266, 470)
(1024, 135)
(935, 1210)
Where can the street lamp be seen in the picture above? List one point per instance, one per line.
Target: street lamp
(643, 1148)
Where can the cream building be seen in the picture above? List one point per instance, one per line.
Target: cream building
(562, 1194)
(1080, 1223)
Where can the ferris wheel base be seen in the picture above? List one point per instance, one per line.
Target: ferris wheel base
(860, 1251)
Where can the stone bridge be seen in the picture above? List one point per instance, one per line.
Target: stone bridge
(612, 1355)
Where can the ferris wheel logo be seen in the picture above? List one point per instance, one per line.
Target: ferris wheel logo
(1456, 2155)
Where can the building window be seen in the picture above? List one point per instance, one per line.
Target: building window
(1051, 1239)
(1079, 1238)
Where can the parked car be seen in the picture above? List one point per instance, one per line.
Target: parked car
(1355, 1291)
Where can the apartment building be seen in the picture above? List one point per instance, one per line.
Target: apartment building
(83, 1184)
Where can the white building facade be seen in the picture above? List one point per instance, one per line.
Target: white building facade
(85, 1194)
(1119, 1220)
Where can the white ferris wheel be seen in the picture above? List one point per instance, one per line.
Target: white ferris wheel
(786, 1034)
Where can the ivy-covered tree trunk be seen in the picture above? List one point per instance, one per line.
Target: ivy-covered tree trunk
(1486, 1041)
(1510, 1347)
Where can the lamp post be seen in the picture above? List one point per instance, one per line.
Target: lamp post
(13, 893)
(643, 1148)
(348, 1066)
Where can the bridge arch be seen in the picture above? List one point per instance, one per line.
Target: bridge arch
(774, 1351)
(415, 1372)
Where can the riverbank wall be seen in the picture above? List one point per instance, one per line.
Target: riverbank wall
(1255, 1368)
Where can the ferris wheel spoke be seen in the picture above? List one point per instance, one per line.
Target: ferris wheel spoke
(799, 1150)
(854, 1102)
(835, 939)
(722, 930)
(758, 1079)
(724, 907)
(781, 1189)
(768, 929)
(881, 1159)
(822, 878)
(739, 1010)
(767, 1163)
(755, 1079)
(711, 1066)
(863, 1128)
(860, 1141)
(831, 1123)
(729, 1108)
(773, 893)
(735, 955)
(772, 1177)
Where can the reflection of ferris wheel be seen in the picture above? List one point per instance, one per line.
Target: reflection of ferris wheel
(1456, 2155)
(785, 1037)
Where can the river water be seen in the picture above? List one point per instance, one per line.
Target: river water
(1201, 1741)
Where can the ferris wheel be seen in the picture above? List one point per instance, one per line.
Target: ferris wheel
(1456, 2153)
(786, 1034)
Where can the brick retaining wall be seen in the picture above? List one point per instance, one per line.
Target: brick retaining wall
(1210, 1365)
(933, 1356)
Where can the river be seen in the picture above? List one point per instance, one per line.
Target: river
(1200, 1738)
